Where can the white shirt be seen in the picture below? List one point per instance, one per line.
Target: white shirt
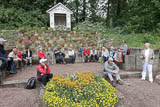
(71, 53)
(106, 53)
(146, 55)
(12, 55)
(28, 52)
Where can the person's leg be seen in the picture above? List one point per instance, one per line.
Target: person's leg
(123, 58)
(13, 68)
(144, 71)
(63, 59)
(118, 77)
(4, 63)
(110, 76)
(149, 66)
(44, 79)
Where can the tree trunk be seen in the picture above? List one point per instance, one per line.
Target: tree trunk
(118, 8)
(77, 15)
(84, 10)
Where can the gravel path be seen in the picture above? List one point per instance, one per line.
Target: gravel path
(19, 97)
(139, 94)
(97, 68)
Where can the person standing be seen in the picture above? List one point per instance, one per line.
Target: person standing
(147, 56)
(3, 56)
(124, 48)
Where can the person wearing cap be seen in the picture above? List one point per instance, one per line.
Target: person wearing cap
(147, 56)
(3, 56)
(110, 69)
(43, 72)
(124, 48)
(41, 54)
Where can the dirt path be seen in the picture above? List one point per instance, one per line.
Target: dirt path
(19, 97)
(139, 94)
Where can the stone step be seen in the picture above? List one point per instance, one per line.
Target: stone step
(130, 74)
(22, 83)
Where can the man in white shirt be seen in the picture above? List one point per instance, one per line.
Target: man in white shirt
(71, 55)
(147, 56)
(14, 60)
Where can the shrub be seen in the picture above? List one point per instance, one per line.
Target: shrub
(81, 90)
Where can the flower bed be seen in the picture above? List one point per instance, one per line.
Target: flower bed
(81, 90)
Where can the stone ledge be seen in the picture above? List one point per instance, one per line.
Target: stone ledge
(130, 74)
(16, 83)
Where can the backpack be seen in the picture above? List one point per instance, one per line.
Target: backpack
(31, 84)
(128, 51)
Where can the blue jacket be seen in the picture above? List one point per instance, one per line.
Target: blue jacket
(2, 52)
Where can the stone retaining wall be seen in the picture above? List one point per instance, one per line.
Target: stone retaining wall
(133, 61)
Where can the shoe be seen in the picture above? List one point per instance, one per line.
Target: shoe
(113, 83)
(12, 72)
(142, 79)
(151, 81)
(119, 82)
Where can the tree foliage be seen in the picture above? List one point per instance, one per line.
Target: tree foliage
(130, 15)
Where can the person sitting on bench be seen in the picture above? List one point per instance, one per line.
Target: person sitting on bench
(110, 69)
(60, 56)
(28, 56)
(41, 53)
(3, 56)
(43, 72)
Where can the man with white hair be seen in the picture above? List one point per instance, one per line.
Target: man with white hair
(3, 56)
(43, 72)
(147, 56)
(110, 69)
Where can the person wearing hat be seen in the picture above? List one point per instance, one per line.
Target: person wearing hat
(147, 56)
(3, 56)
(110, 69)
(43, 72)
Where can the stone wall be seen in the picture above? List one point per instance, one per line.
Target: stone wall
(134, 63)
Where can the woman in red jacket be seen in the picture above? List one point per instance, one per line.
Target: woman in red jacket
(41, 54)
(86, 54)
(43, 72)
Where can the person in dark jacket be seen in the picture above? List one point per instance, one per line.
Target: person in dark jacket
(28, 56)
(3, 56)
(43, 72)
(60, 56)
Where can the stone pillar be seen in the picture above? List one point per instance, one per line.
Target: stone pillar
(130, 63)
(52, 20)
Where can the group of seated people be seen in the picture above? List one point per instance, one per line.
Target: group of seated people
(15, 60)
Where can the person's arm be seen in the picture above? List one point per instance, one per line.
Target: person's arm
(152, 57)
(142, 55)
(106, 67)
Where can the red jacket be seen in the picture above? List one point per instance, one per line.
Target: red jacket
(19, 54)
(41, 54)
(86, 52)
(42, 70)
